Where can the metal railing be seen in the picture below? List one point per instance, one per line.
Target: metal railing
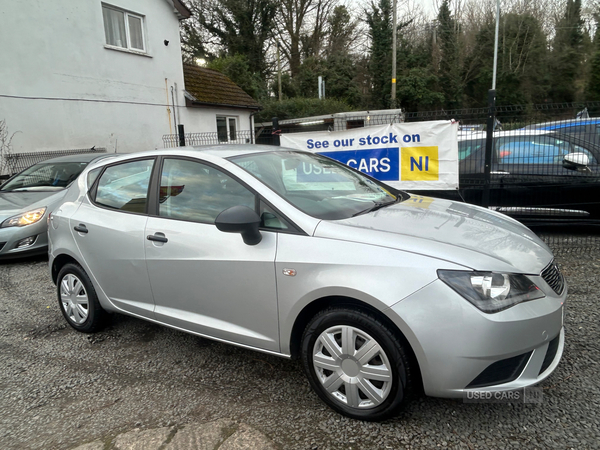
(214, 138)
(527, 178)
(16, 162)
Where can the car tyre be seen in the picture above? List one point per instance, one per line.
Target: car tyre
(78, 301)
(356, 364)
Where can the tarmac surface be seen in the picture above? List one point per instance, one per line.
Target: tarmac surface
(221, 434)
(136, 385)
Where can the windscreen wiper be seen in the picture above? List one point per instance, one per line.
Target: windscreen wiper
(376, 206)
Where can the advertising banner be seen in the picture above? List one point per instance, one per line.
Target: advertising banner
(419, 155)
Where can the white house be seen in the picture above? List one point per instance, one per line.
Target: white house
(83, 73)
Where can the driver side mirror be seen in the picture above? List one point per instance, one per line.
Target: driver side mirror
(576, 161)
(240, 219)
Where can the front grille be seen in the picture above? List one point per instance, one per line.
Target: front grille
(500, 372)
(550, 354)
(554, 278)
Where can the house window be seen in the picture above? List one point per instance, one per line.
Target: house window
(123, 29)
(226, 128)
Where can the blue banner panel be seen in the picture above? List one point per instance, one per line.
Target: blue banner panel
(380, 163)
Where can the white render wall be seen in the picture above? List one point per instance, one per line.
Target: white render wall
(61, 88)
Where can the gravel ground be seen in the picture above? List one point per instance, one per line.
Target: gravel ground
(60, 388)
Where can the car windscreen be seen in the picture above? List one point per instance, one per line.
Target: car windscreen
(45, 177)
(316, 185)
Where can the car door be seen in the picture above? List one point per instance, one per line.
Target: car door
(205, 280)
(109, 227)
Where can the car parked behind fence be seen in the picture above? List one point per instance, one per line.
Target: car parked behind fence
(533, 177)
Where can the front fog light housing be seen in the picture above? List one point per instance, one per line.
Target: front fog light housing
(489, 291)
(26, 242)
(27, 218)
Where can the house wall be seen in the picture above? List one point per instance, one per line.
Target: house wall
(62, 88)
(205, 120)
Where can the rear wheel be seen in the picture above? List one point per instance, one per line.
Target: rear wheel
(356, 364)
(78, 300)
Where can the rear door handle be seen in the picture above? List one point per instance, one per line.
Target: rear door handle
(81, 228)
(158, 237)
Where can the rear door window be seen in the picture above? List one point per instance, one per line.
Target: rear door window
(125, 186)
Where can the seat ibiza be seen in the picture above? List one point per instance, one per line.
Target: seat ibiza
(381, 294)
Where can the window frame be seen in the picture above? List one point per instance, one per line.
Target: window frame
(228, 127)
(126, 14)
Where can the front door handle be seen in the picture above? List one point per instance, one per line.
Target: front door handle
(158, 237)
(81, 228)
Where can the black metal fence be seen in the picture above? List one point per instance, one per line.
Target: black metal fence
(15, 162)
(542, 166)
(240, 137)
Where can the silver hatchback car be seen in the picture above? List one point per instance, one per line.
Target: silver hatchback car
(27, 198)
(380, 293)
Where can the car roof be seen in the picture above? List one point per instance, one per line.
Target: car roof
(218, 151)
(464, 136)
(77, 158)
(231, 150)
(558, 124)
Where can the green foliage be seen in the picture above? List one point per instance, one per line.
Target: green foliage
(340, 80)
(298, 107)
(522, 62)
(448, 65)
(237, 68)
(240, 27)
(341, 32)
(449, 62)
(567, 54)
(379, 20)
(339, 73)
(593, 85)
(417, 90)
(307, 78)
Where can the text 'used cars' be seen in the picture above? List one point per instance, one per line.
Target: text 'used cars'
(381, 294)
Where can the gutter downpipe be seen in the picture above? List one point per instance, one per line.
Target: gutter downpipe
(252, 138)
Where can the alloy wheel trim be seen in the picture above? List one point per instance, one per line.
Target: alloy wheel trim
(352, 367)
(74, 299)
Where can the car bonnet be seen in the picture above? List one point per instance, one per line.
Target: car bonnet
(12, 203)
(463, 234)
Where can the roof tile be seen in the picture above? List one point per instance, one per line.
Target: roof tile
(211, 86)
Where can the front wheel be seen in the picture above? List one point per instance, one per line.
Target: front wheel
(356, 364)
(78, 301)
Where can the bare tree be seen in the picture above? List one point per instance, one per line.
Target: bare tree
(302, 21)
(5, 146)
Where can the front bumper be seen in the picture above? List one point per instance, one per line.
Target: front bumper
(461, 349)
(10, 237)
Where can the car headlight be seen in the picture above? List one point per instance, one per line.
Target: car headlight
(27, 218)
(490, 291)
